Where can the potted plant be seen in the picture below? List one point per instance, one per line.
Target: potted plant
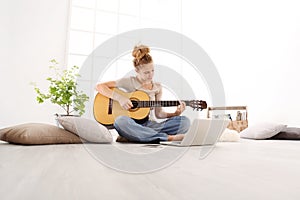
(63, 90)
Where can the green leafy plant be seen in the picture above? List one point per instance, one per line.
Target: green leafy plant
(63, 90)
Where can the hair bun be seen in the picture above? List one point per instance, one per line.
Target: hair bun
(140, 51)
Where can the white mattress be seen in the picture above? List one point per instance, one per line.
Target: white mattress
(247, 169)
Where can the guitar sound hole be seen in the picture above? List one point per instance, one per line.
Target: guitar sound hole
(134, 103)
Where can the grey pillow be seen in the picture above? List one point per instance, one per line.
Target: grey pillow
(289, 133)
(87, 129)
(37, 133)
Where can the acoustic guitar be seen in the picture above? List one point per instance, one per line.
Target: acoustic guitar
(106, 110)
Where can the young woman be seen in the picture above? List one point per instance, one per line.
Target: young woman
(173, 128)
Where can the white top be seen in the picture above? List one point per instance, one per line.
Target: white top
(131, 84)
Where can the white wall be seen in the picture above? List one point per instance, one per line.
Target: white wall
(32, 33)
(254, 44)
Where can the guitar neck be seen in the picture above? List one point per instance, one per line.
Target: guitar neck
(147, 104)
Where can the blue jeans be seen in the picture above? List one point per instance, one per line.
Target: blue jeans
(151, 130)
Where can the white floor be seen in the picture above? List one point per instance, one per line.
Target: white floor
(242, 170)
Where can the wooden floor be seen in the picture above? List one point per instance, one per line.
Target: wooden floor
(242, 170)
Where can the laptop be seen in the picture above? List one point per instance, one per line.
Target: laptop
(202, 132)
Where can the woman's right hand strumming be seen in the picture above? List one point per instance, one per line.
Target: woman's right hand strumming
(124, 102)
(105, 89)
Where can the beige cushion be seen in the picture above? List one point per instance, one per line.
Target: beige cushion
(87, 129)
(37, 133)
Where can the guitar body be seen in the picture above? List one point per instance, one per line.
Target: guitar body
(106, 110)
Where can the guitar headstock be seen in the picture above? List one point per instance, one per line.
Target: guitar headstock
(197, 104)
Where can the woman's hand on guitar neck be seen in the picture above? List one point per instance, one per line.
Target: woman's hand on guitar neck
(180, 109)
(124, 102)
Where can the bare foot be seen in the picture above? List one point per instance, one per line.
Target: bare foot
(122, 139)
(177, 137)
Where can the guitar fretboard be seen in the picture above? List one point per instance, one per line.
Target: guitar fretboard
(147, 104)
